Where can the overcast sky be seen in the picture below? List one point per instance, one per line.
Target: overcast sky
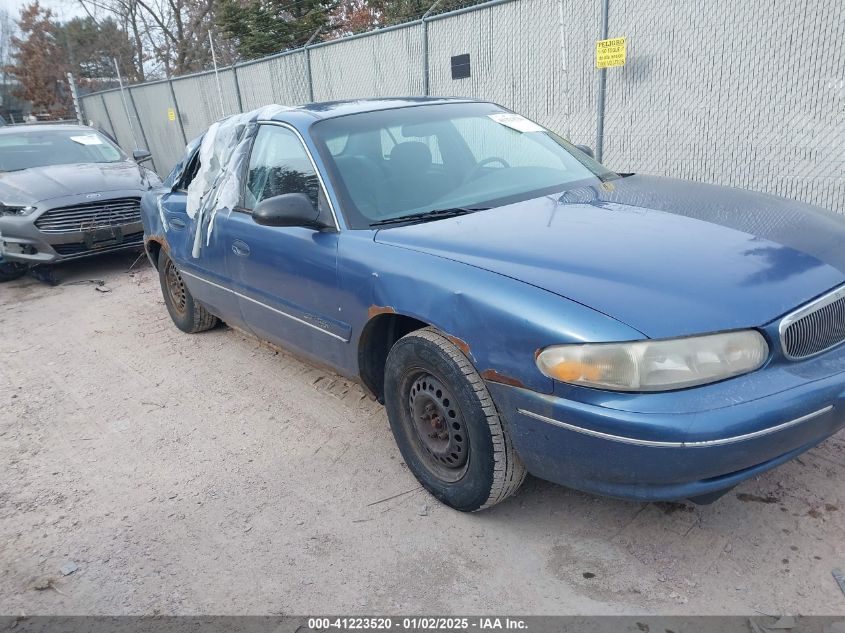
(64, 9)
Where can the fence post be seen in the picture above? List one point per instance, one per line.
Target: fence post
(125, 105)
(176, 108)
(77, 106)
(564, 59)
(108, 116)
(216, 75)
(425, 44)
(308, 75)
(601, 89)
(237, 88)
(425, 56)
(141, 126)
(308, 63)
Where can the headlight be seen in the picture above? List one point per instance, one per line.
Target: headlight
(656, 365)
(7, 210)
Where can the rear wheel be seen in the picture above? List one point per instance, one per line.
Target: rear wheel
(12, 270)
(188, 315)
(446, 425)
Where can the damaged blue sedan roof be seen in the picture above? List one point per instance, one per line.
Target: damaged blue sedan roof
(331, 109)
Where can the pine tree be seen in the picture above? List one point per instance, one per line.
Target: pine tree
(92, 46)
(263, 27)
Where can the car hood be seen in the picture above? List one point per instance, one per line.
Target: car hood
(30, 186)
(667, 257)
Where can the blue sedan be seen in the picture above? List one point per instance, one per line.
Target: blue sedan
(516, 306)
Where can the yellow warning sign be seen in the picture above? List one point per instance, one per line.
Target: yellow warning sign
(171, 114)
(610, 53)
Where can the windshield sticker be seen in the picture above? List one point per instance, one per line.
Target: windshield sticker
(516, 122)
(88, 139)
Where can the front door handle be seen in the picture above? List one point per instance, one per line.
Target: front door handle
(240, 248)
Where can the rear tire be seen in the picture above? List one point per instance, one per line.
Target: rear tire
(188, 315)
(12, 270)
(446, 424)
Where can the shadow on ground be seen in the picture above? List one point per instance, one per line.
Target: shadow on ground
(87, 270)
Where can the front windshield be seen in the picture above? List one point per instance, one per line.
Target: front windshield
(392, 163)
(43, 147)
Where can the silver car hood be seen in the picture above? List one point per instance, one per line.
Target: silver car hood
(37, 184)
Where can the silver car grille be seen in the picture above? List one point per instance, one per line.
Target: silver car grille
(816, 327)
(90, 215)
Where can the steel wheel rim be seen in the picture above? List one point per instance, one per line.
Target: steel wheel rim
(439, 429)
(175, 288)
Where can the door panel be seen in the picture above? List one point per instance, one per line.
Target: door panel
(286, 277)
(287, 282)
(177, 224)
(205, 276)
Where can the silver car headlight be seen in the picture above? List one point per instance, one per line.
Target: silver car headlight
(656, 365)
(9, 210)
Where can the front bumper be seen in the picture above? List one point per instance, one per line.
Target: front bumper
(22, 241)
(43, 249)
(667, 456)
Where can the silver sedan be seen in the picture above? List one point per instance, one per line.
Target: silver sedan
(66, 191)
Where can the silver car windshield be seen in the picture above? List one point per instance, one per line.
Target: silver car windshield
(43, 147)
(410, 161)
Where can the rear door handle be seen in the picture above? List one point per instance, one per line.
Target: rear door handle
(240, 248)
(176, 224)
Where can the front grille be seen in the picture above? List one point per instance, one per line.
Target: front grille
(133, 239)
(90, 215)
(816, 327)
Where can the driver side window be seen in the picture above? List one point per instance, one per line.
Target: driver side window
(279, 164)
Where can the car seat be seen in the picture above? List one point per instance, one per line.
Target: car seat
(413, 183)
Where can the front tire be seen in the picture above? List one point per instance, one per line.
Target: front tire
(12, 270)
(188, 315)
(446, 424)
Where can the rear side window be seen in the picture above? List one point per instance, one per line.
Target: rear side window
(190, 171)
(184, 172)
(278, 165)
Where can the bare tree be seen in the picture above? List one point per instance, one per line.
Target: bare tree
(170, 37)
(39, 62)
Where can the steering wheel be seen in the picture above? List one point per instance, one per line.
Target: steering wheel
(473, 173)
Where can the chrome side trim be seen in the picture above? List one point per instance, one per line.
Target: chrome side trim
(831, 297)
(264, 305)
(653, 443)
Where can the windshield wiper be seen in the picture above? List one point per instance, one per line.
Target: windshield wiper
(425, 216)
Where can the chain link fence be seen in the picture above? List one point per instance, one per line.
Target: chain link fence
(735, 93)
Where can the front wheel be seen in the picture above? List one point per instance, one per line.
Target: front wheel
(188, 315)
(446, 425)
(12, 270)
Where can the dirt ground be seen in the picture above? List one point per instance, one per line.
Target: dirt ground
(210, 474)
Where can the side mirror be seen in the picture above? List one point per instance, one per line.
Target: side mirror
(587, 150)
(289, 209)
(141, 156)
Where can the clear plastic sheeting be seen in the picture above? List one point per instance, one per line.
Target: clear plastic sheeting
(217, 185)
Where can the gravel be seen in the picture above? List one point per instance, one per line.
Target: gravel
(209, 473)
